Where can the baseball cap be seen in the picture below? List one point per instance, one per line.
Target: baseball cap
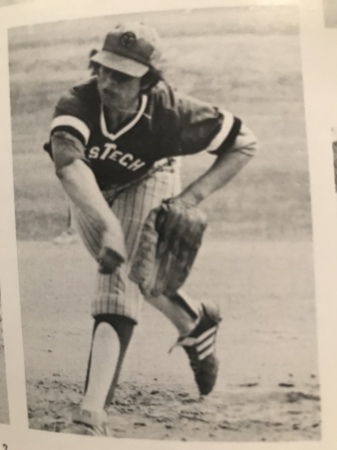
(131, 48)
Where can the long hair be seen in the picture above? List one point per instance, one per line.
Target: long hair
(148, 81)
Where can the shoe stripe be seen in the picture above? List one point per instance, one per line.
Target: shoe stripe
(207, 352)
(206, 334)
(187, 342)
(195, 341)
(200, 347)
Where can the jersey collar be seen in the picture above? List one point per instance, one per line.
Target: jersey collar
(128, 126)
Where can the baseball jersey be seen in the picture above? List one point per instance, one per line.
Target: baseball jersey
(167, 124)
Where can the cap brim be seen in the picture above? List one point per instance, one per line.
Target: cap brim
(120, 63)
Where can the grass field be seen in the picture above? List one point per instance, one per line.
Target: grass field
(247, 60)
(256, 260)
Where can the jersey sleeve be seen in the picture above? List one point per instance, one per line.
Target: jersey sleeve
(205, 127)
(71, 115)
(66, 148)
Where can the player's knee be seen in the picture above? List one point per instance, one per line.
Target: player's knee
(121, 325)
(105, 332)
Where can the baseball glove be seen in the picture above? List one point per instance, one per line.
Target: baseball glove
(169, 243)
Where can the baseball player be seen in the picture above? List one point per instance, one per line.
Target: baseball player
(114, 141)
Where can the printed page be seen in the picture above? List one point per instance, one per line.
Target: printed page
(168, 226)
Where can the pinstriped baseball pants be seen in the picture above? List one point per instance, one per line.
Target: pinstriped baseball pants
(116, 293)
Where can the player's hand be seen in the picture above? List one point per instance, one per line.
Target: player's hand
(113, 252)
(108, 261)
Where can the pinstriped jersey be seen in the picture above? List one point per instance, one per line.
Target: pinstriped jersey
(167, 124)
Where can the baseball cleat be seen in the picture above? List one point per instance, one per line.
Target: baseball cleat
(199, 345)
(88, 423)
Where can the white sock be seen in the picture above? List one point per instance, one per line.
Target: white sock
(105, 352)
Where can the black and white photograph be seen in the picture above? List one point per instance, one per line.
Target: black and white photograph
(164, 225)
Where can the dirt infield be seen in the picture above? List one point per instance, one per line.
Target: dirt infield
(267, 389)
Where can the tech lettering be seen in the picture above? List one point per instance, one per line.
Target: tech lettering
(110, 152)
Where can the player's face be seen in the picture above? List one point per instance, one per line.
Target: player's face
(117, 90)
